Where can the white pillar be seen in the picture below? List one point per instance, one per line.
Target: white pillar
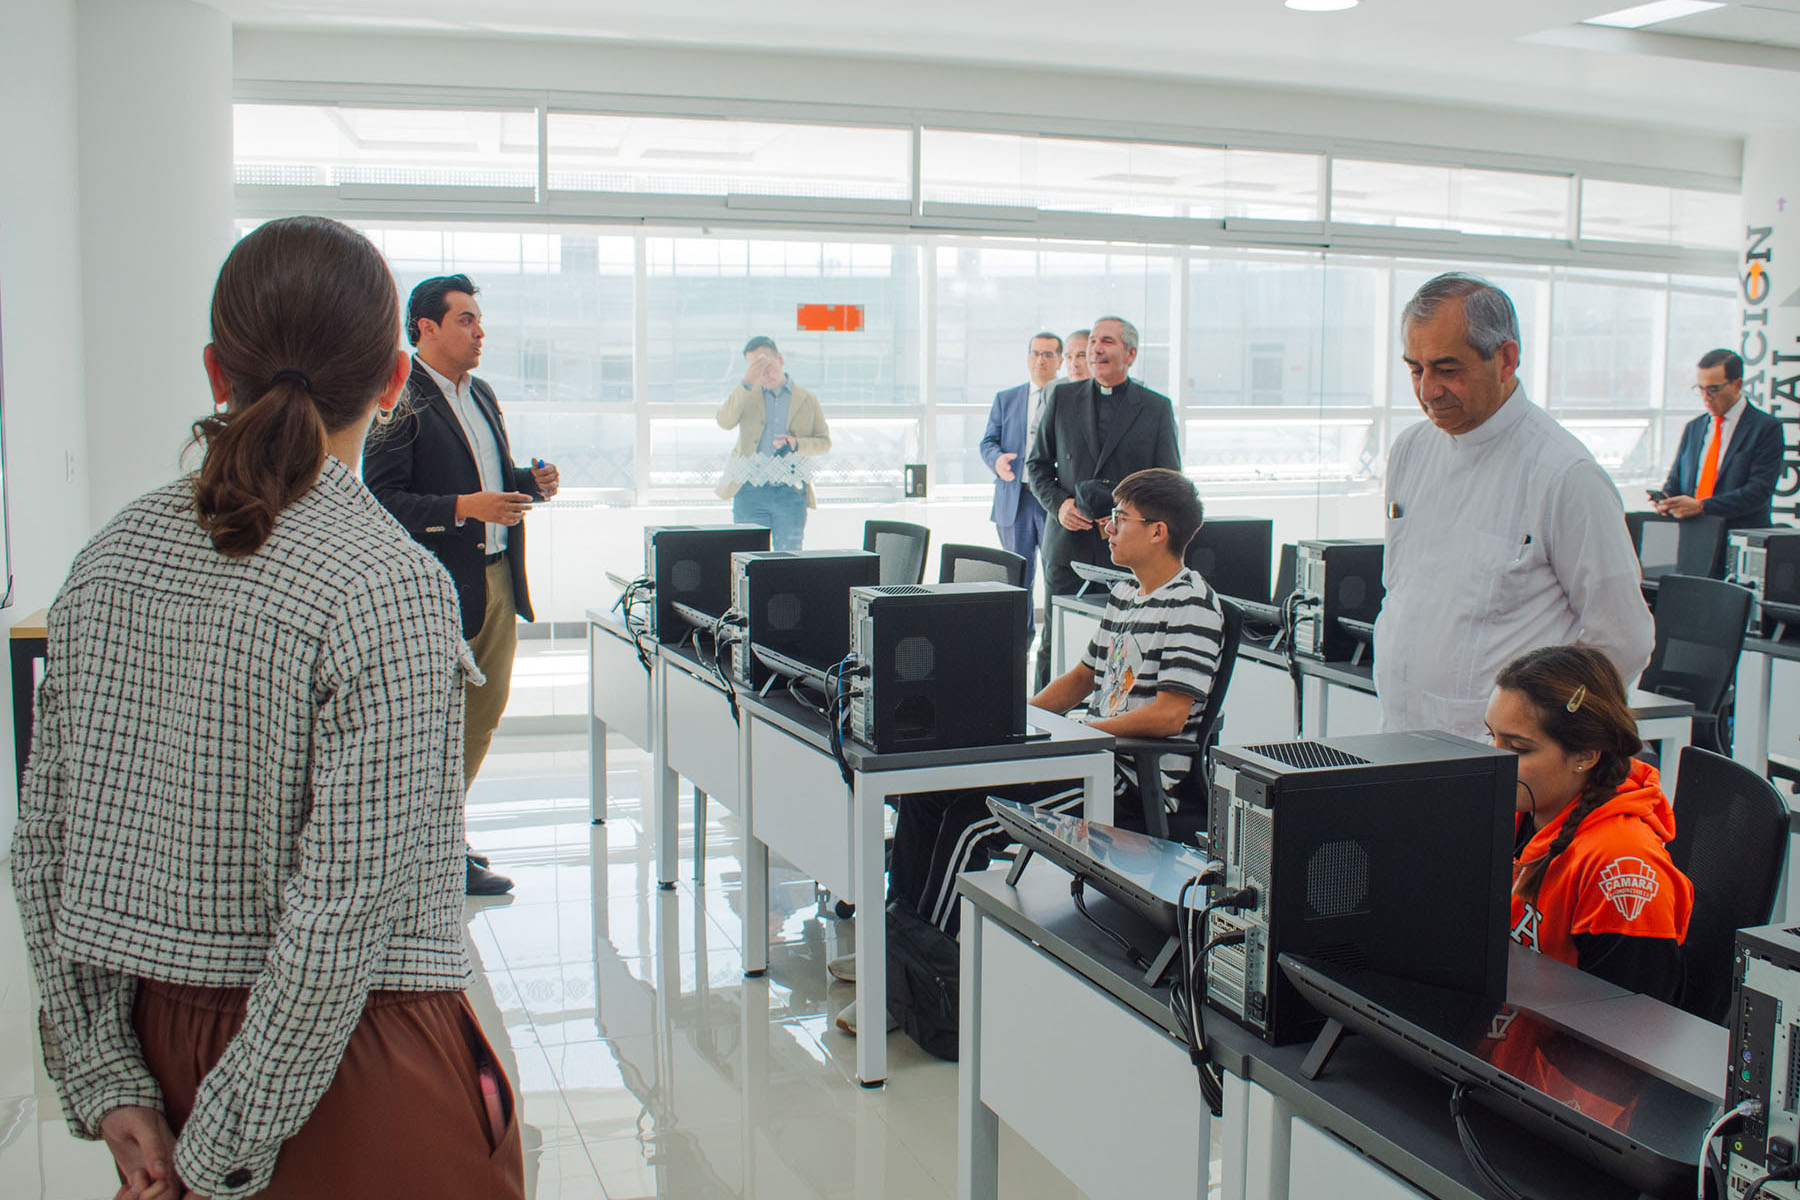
(156, 201)
(1769, 294)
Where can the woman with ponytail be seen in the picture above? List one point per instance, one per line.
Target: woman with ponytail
(1592, 882)
(239, 859)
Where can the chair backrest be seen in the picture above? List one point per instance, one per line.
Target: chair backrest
(958, 563)
(902, 546)
(1195, 786)
(1731, 837)
(1699, 636)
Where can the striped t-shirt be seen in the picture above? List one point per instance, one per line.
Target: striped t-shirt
(1165, 641)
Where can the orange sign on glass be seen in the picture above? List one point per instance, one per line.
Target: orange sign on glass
(829, 318)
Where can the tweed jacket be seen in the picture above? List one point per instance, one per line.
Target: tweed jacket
(246, 772)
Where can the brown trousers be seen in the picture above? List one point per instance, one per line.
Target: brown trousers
(403, 1116)
(493, 646)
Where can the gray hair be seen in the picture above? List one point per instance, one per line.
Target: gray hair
(1129, 333)
(1487, 309)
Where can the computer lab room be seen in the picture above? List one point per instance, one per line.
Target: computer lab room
(964, 602)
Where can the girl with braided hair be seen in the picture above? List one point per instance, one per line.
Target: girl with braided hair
(1593, 884)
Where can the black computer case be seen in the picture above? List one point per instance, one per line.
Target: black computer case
(796, 603)
(1335, 578)
(691, 564)
(1386, 852)
(945, 663)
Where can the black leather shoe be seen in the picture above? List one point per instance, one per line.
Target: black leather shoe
(483, 882)
(480, 860)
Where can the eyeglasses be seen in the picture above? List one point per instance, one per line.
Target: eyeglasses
(1709, 390)
(1119, 514)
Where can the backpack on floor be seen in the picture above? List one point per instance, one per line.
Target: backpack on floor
(923, 969)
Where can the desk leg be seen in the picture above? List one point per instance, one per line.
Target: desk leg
(1059, 638)
(1750, 740)
(1097, 799)
(664, 784)
(978, 1129)
(1268, 1131)
(1234, 1138)
(871, 933)
(699, 836)
(756, 866)
(1680, 737)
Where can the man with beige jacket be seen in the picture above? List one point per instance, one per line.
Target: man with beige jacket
(781, 429)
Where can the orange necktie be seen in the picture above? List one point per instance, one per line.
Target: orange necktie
(1709, 469)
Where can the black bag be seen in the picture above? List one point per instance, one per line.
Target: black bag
(924, 967)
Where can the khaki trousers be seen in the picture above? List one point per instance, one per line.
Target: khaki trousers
(493, 646)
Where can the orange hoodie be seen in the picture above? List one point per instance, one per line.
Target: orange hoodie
(1615, 877)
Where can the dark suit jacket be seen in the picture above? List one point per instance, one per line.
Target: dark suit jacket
(1748, 470)
(1006, 435)
(1067, 454)
(418, 465)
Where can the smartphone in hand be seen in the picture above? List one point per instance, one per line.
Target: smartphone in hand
(1656, 497)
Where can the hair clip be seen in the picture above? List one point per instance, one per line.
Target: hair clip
(1574, 704)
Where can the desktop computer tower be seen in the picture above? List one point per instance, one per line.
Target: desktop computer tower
(1336, 578)
(691, 564)
(944, 663)
(1232, 554)
(1767, 561)
(1387, 852)
(1763, 1064)
(796, 603)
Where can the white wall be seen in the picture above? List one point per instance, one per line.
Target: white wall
(155, 147)
(40, 320)
(1041, 99)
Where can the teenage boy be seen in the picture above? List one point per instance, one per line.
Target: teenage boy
(1147, 673)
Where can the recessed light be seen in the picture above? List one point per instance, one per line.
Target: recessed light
(1652, 14)
(1321, 5)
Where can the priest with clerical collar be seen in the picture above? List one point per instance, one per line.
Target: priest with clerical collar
(1102, 428)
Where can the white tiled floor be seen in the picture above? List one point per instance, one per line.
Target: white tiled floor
(646, 1063)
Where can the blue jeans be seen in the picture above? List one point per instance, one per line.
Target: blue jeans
(782, 509)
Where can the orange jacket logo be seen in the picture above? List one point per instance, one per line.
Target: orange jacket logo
(1630, 883)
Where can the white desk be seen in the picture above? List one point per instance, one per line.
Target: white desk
(693, 735)
(1118, 1110)
(619, 698)
(1755, 694)
(794, 801)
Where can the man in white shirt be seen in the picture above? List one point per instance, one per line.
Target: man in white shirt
(444, 468)
(1011, 425)
(1730, 456)
(1503, 533)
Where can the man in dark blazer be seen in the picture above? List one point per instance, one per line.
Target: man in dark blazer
(1011, 423)
(1101, 428)
(444, 468)
(1734, 479)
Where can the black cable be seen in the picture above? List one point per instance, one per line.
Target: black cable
(1187, 995)
(1785, 1175)
(1077, 889)
(1471, 1146)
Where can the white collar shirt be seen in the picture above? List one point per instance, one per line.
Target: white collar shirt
(480, 436)
(1730, 422)
(1499, 540)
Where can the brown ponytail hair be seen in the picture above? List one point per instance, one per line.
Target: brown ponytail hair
(305, 325)
(1581, 706)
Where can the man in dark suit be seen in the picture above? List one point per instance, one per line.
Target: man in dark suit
(1730, 456)
(1102, 428)
(1012, 423)
(444, 468)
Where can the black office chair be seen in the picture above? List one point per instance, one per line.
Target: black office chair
(979, 564)
(1190, 815)
(1731, 838)
(1699, 636)
(902, 546)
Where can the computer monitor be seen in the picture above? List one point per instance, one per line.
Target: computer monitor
(1671, 546)
(1232, 554)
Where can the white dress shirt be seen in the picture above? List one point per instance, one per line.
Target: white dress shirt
(1499, 540)
(1730, 423)
(481, 440)
(1034, 414)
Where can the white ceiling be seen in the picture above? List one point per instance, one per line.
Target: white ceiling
(1735, 69)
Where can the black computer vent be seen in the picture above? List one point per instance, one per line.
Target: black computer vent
(905, 589)
(1307, 755)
